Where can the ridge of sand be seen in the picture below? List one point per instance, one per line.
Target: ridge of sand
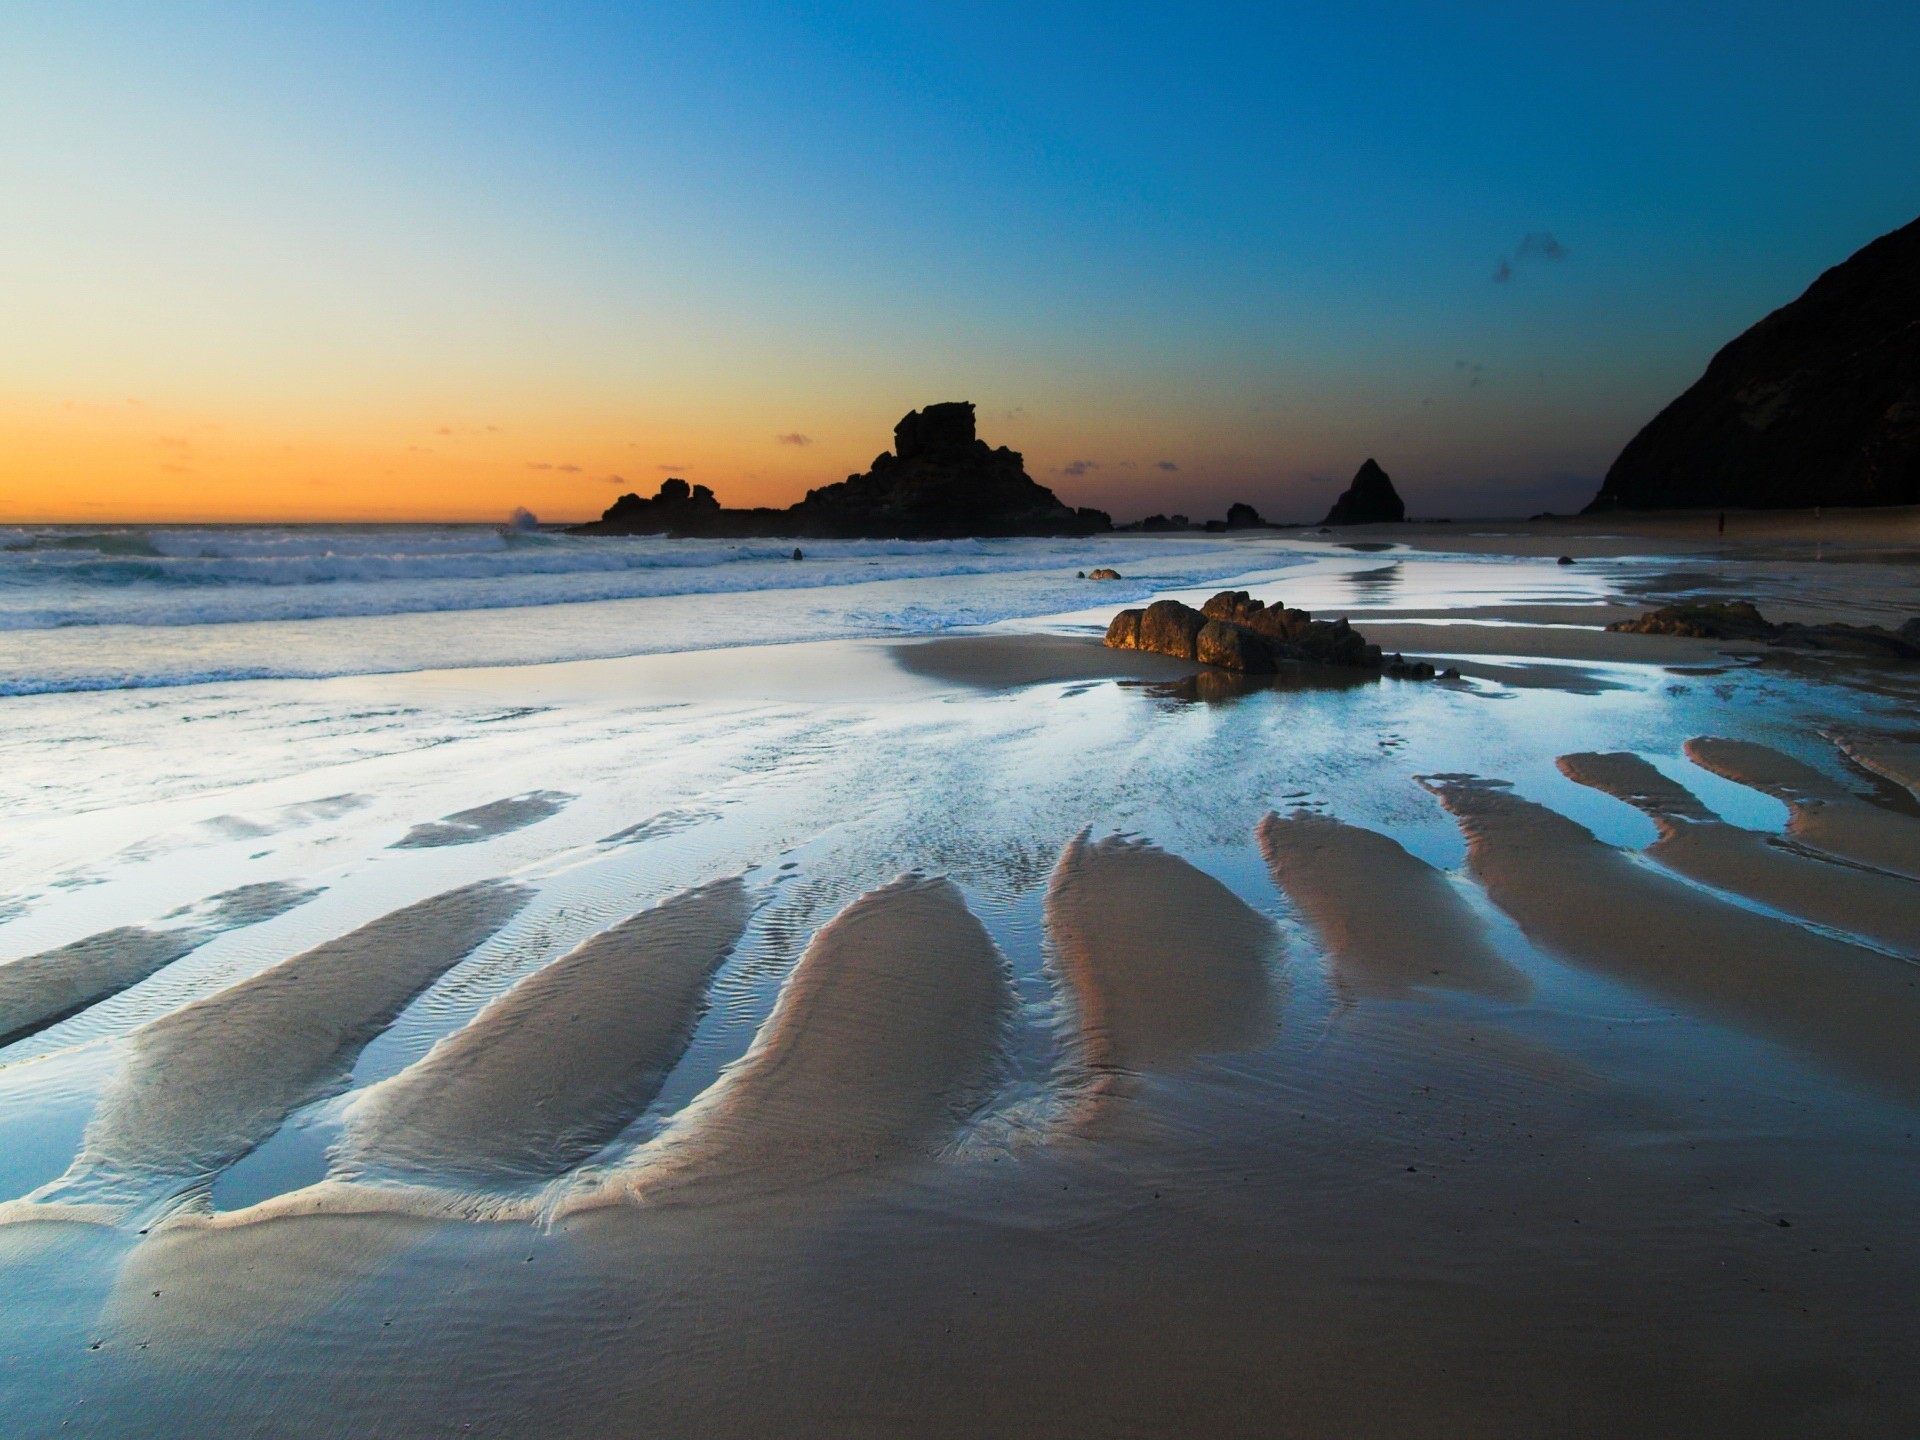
(1853, 1009)
(38, 991)
(554, 1068)
(201, 1086)
(1698, 844)
(483, 822)
(886, 1034)
(1825, 816)
(1164, 963)
(1390, 923)
(1895, 760)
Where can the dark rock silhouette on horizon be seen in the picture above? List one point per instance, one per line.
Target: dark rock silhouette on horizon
(1242, 516)
(1818, 404)
(1369, 500)
(939, 482)
(675, 508)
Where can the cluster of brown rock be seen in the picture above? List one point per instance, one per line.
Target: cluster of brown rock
(1233, 631)
(1741, 620)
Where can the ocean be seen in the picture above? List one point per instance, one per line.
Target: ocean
(93, 608)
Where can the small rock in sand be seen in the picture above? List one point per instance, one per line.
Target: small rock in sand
(1103, 573)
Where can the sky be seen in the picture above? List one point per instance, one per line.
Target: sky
(435, 261)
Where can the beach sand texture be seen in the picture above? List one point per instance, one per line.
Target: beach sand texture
(883, 1039)
(201, 1086)
(1163, 962)
(1853, 1008)
(554, 1068)
(872, 1038)
(41, 990)
(1390, 922)
(1826, 816)
(1698, 844)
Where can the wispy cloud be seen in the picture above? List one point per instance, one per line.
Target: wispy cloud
(793, 437)
(549, 465)
(1166, 465)
(1079, 467)
(671, 468)
(613, 479)
(1535, 245)
(1473, 370)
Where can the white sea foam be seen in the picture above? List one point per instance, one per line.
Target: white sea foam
(135, 607)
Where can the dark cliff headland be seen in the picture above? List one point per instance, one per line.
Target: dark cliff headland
(1817, 404)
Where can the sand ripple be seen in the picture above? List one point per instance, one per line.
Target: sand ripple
(553, 1069)
(1164, 962)
(203, 1085)
(1825, 816)
(1853, 1009)
(41, 990)
(1696, 843)
(887, 1034)
(1390, 922)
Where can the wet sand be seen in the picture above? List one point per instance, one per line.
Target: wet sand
(201, 1086)
(1697, 844)
(1390, 922)
(1826, 816)
(1638, 1158)
(882, 1041)
(1006, 662)
(1853, 1009)
(1895, 760)
(1164, 963)
(41, 990)
(557, 1066)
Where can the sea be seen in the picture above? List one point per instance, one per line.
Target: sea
(127, 607)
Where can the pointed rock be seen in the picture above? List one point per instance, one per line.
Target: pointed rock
(1369, 500)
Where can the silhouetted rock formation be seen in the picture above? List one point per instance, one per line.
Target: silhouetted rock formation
(938, 483)
(1233, 631)
(1818, 404)
(674, 508)
(1369, 500)
(1244, 517)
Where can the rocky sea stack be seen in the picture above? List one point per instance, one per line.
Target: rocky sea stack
(939, 482)
(1369, 500)
(1818, 404)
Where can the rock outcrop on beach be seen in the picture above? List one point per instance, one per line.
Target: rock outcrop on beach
(1369, 500)
(1233, 631)
(1818, 404)
(1740, 620)
(939, 482)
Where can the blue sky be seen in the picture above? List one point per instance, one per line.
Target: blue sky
(1255, 244)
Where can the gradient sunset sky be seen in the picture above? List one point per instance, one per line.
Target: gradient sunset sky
(419, 261)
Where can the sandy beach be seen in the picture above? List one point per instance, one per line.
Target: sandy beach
(905, 1014)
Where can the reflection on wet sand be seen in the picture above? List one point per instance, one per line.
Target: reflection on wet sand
(1698, 844)
(1163, 962)
(1423, 937)
(1825, 815)
(1849, 1008)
